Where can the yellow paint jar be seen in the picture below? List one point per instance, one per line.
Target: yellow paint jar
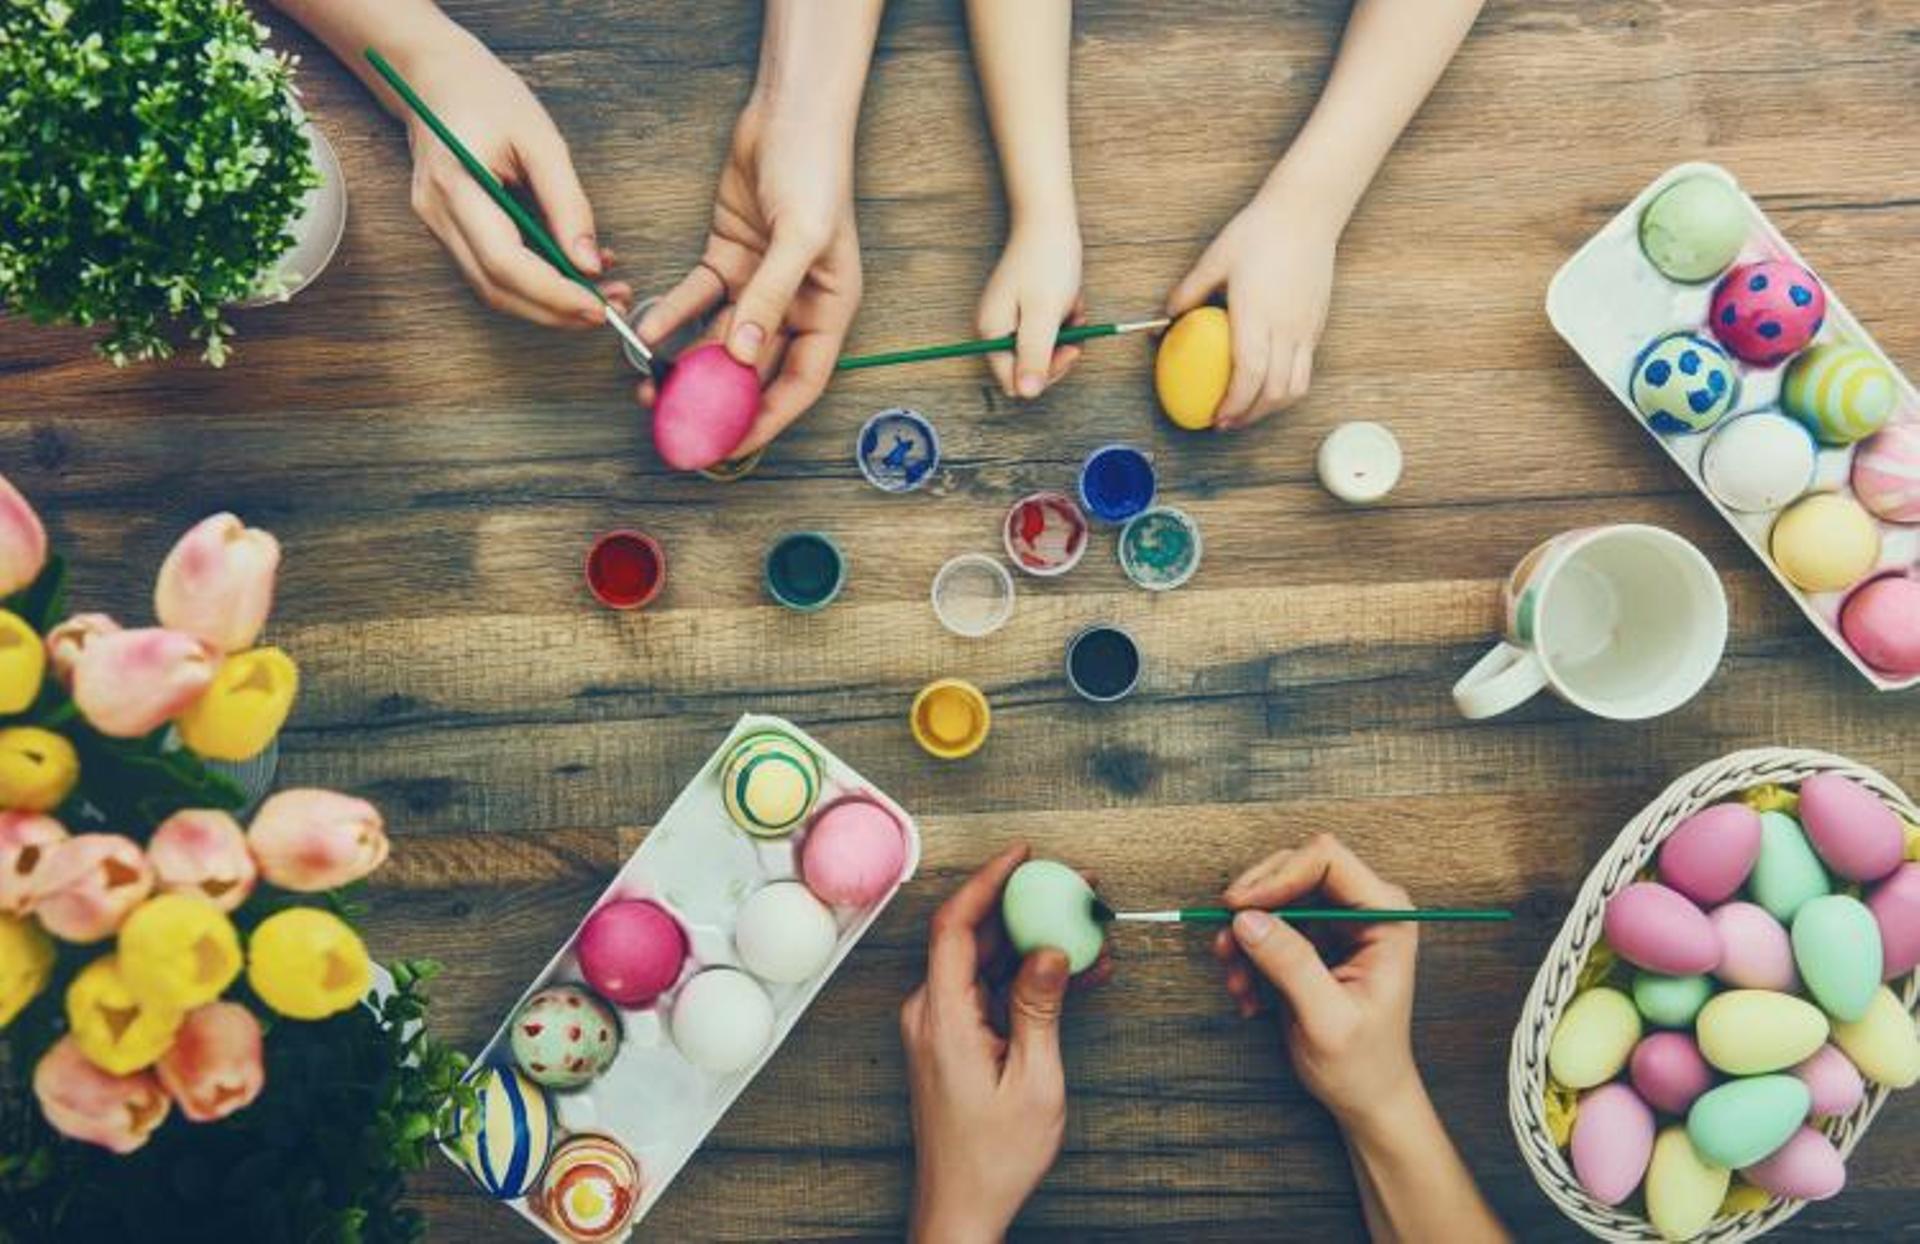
(950, 718)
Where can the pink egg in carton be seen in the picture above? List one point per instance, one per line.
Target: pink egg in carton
(705, 951)
(1702, 319)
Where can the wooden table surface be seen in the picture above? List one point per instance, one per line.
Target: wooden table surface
(436, 472)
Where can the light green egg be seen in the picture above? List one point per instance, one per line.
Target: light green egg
(1787, 873)
(1842, 393)
(1694, 228)
(1670, 1001)
(1748, 1032)
(1684, 1190)
(1882, 1043)
(1594, 1039)
(1048, 904)
(1742, 1121)
(1836, 946)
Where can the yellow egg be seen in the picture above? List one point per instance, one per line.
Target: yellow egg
(1826, 542)
(1882, 1043)
(1191, 371)
(1684, 1190)
(1593, 1039)
(1746, 1032)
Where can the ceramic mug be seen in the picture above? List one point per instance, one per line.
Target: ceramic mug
(1626, 622)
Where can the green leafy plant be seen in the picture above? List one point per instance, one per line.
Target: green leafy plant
(152, 168)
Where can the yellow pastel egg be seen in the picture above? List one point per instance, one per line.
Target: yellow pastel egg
(307, 964)
(1744, 1198)
(1825, 542)
(1684, 1190)
(117, 1030)
(1191, 371)
(1882, 1043)
(179, 950)
(1593, 1039)
(1748, 1032)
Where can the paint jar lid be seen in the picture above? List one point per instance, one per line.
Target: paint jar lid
(1160, 549)
(897, 450)
(1359, 462)
(1045, 533)
(626, 569)
(950, 718)
(733, 468)
(1117, 482)
(1103, 663)
(973, 595)
(805, 570)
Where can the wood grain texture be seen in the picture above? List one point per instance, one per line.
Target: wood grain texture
(436, 472)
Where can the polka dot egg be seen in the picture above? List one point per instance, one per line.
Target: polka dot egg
(1763, 312)
(1886, 473)
(564, 1037)
(1683, 383)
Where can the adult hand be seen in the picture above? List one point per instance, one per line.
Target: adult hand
(1034, 289)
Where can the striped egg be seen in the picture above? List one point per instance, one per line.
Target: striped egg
(1841, 392)
(1765, 311)
(503, 1142)
(1886, 473)
(1682, 383)
(591, 1189)
(769, 783)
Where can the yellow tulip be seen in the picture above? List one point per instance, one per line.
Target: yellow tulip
(26, 960)
(23, 663)
(116, 1029)
(37, 769)
(307, 964)
(179, 950)
(240, 713)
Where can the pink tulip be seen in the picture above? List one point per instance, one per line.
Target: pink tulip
(217, 583)
(312, 840)
(128, 683)
(87, 885)
(23, 541)
(26, 839)
(214, 1065)
(86, 1103)
(68, 639)
(203, 851)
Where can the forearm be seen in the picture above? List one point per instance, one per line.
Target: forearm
(1021, 51)
(401, 30)
(1413, 1184)
(813, 64)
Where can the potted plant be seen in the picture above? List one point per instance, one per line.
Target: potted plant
(156, 170)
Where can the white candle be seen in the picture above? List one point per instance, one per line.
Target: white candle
(1359, 462)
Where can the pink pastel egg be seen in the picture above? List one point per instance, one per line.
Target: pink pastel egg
(1668, 1071)
(1886, 473)
(631, 951)
(1855, 834)
(1756, 951)
(1660, 929)
(853, 853)
(704, 408)
(1612, 1142)
(1806, 1168)
(1708, 855)
(1833, 1082)
(1895, 904)
(1881, 622)
(1763, 312)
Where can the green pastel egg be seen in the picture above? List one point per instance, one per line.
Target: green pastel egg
(1836, 946)
(1882, 1043)
(1842, 393)
(1594, 1038)
(1048, 904)
(1684, 1190)
(1670, 1001)
(1787, 873)
(1748, 1032)
(1742, 1121)
(1694, 228)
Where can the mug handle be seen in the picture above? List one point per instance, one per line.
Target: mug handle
(1504, 679)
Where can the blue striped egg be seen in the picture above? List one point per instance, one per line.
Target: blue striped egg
(503, 1143)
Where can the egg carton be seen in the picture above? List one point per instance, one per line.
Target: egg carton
(699, 865)
(1608, 302)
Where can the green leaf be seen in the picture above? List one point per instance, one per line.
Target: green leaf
(42, 603)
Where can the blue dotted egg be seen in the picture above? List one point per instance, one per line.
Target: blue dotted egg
(1683, 383)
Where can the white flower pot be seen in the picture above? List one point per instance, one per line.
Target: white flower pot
(317, 230)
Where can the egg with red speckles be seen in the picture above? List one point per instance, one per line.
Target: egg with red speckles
(1765, 312)
(563, 1037)
(1683, 383)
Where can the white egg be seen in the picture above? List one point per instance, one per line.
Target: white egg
(784, 934)
(1759, 462)
(722, 1020)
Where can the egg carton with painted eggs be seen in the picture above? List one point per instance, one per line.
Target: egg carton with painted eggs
(682, 982)
(1711, 1096)
(1701, 318)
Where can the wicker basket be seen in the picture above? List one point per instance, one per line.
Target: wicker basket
(1554, 987)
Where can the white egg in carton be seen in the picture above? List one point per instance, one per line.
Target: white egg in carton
(700, 866)
(1609, 302)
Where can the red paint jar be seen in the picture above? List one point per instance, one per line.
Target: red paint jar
(626, 569)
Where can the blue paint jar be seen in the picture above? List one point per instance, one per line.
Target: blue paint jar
(1116, 483)
(898, 450)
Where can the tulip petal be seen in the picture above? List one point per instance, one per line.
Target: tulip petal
(313, 840)
(68, 639)
(23, 663)
(26, 961)
(217, 582)
(81, 1101)
(25, 838)
(88, 883)
(23, 541)
(242, 711)
(130, 683)
(214, 1066)
(38, 769)
(202, 851)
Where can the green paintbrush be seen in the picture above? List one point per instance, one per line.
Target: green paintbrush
(529, 227)
(994, 345)
(1354, 915)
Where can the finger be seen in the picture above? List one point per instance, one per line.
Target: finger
(997, 319)
(1254, 875)
(951, 952)
(1034, 1008)
(762, 306)
(1240, 981)
(512, 268)
(549, 171)
(1327, 866)
(1225, 949)
(1199, 284)
(1287, 959)
(698, 292)
(804, 375)
(1033, 352)
(495, 298)
(1095, 976)
(1250, 350)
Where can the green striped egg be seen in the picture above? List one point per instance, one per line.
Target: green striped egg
(769, 783)
(1842, 393)
(503, 1141)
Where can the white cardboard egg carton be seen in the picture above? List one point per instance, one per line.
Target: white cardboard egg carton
(701, 867)
(1609, 301)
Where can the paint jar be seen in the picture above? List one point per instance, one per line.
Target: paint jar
(1160, 549)
(1103, 663)
(1359, 462)
(973, 595)
(898, 450)
(733, 468)
(668, 348)
(1046, 534)
(950, 719)
(1117, 482)
(626, 569)
(805, 570)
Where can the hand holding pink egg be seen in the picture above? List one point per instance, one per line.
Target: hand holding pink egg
(705, 408)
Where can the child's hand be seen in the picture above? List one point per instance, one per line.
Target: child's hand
(1346, 1026)
(1275, 262)
(1034, 289)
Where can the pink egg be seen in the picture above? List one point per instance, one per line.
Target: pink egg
(1857, 836)
(1895, 904)
(1833, 1082)
(631, 951)
(1763, 312)
(1668, 1071)
(1612, 1142)
(1881, 622)
(1886, 473)
(1756, 951)
(1659, 929)
(853, 853)
(1708, 855)
(704, 408)
(1806, 1168)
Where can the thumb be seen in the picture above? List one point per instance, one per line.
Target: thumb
(763, 304)
(1197, 285)
(1289, 960)
(1033, 1015)
(569, 216)
(1033, 353)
